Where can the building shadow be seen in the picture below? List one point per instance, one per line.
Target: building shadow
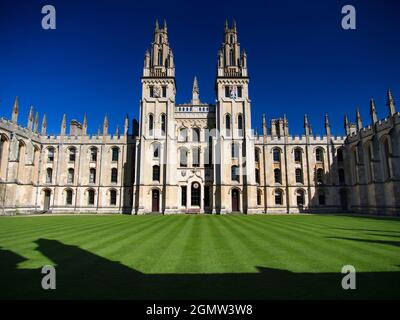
(81, 274)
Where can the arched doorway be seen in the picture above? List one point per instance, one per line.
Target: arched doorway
(235, 201)
(46, 201)
(155, 200)
(343, 200)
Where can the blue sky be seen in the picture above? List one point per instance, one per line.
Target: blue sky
(300, 59)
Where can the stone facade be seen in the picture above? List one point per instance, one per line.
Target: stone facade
(198, 157)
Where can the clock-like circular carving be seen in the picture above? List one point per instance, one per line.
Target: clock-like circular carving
(196, 185)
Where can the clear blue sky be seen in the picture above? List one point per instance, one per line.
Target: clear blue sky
(300, 59)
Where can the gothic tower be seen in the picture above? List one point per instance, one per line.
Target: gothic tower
(235, 168)
(156, 170)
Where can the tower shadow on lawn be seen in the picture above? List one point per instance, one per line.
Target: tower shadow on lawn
(81, 274)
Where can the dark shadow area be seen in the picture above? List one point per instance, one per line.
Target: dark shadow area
(84, 275)
(392, 243)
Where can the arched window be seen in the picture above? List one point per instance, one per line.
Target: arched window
(297, 155)
(70, 177)
(151, 124)
(228, 124)
(183, 158)
(321, 197)
(320, 176)
(50, 154)
(277, 176)
(93, 154)
(114, 175)
(183, 135)
(115, 153)
(196, 157)
(156, 173)
(386, 159)
(195, 135)
(91, 197)
(300, 197)
(276, 155)
(299, 176)
(278, 197)
(319, 155)
(231, 58)
(240, 125)
(235, 150)
(235, 173)
(259, 197)
(156, 150)
(160, 62)
(163, 124)
(68, 197)
(72, 154)
(92, 175)
(369, 163)
(113, 197)
(195, 194)
(210, 152)
(49, 175)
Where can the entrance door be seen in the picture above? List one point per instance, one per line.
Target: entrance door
(155, 195)
(46, 205)
(343, 200)
(235, 200)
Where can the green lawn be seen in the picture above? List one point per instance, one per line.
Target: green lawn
(194, 257)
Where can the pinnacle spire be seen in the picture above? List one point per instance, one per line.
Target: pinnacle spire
(64, 125)
(358, 118)
(36, 122)
(390, 103)
(14, 117)
(372, 111)
(126, 125)
(157, 26)
(44, 125)
(30, 118)
(195, 92)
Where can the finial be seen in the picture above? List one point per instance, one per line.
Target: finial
(157, 26)
(390, 103)
(327, 120)
(44, 125)
(30, 118)
(36, 122)
(372, 111)
(63, 125)
(358, 118)
(226, 24)
(126, 125)
(165, 24)
(14, 117)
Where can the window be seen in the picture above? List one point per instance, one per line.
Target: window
(91, 197)
(277, 176)
(299, 176)
(196, 135)
(257, 176)
(278, 197)
(227, 93)
(183, 196)
(114, 175)
(195, 190)
(156, 151)
(321, 198)
(70, 177)
(300, 197)
(115, 153)
(151, 90)
(50, 155)
(160, 62)
(235, 151)
(156, 173)
(93, 154)
(259, 196)
(183, 158)
(151, 124)
(72, 154)
(240, 125)
(297, 155)
(386, 159)
(257, 155)
(163, 124)
(370, 164)
(113, 197)
(239, 90)
(164, 91)
(340, 155)
(206, 196)
(319, 155)
(183, 135)
(196, 157)
(235, 173)
(277, 155)
(92, 176)
(68, 197)
(342, 179)
(49, 175)
(210, 154)
(228, 124)
(320, 176)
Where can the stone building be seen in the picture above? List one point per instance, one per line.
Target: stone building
(199, 157)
